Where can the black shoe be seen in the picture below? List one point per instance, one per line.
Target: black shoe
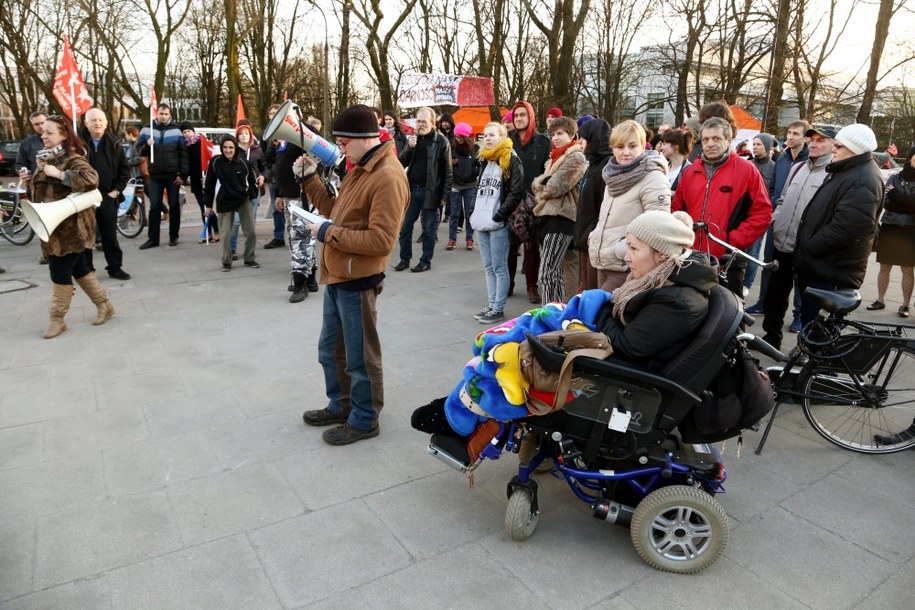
(894, 439)
(298, 296)
(173, 242)
(149, 244)
(252, 264)
(234, 256)
(2, 270)
(904, 311)
(274, 243)
(401, 266)
(290, 287)
(323, 417)
(43, 260)
(119, 274)
(346, 434)
(419, 268)
(876, 305)
(227, 267)
(311, 282)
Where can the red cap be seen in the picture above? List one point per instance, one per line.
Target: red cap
(554, 112)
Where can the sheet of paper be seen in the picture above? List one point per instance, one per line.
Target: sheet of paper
(312, 217)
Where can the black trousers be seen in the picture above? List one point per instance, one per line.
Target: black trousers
(64, 268)
(106, 218)
(775, 305)
(156, 189)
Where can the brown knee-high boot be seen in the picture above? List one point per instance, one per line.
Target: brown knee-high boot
(61, 295)
(91, 286)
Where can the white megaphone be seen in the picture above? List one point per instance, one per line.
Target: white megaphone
(287, 125)
(44, 217)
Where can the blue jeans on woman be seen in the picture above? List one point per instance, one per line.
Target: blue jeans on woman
(461, 198)
(494, 250)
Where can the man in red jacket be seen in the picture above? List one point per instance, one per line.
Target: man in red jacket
(728, 194)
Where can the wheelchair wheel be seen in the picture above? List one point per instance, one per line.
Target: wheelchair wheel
(520, 518)
(679, 529)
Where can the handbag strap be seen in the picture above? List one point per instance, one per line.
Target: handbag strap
(565, 373)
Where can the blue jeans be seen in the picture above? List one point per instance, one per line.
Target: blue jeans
(279, 220)
(350, 353)
(461, 198)
(255, 203)
(429, 224)
(494, 250)
(752, 268)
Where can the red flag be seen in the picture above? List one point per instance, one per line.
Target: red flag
(892, 150)
(69, 87)
(153, 103)
(239, 111)
(206, 153)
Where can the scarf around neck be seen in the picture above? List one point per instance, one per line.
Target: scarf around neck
(621, 178)
(555, 153)
(501, 153)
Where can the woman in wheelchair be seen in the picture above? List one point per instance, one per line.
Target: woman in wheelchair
(652, 316)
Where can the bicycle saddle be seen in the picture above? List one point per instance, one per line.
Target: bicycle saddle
(838, 302)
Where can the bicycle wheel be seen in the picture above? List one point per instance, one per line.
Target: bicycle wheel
(131, 221)
(848, 410)
(18, 231)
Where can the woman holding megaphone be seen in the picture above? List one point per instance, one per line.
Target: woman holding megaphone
(62, 170)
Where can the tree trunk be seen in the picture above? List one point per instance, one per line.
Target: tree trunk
(881, 30)
(777, 68)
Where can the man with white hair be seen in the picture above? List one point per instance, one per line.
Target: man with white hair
(838, 225)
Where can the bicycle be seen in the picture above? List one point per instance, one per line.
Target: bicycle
(855, 380)
(132, 211)
(13, 225)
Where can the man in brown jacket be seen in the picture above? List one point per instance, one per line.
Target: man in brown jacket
(363, 223)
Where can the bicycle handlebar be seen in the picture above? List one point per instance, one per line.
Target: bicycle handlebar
(704, 228)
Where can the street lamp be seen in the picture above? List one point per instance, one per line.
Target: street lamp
(325, 121)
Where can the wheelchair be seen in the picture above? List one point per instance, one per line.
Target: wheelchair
(626, 446)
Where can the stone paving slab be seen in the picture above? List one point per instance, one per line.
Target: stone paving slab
(160, 461)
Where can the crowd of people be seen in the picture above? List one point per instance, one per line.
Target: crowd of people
(563, 202)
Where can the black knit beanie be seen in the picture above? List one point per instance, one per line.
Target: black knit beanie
(186, 125)
(357, 121)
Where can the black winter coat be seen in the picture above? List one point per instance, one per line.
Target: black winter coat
(533, 156)
(660, 322)
(900, 193)
(118, 172)
(597, 134)
(466, 171)
(512, 189)
(237, 183)
(438, 169)
(837, 228)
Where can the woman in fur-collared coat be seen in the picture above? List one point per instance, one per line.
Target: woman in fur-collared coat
(64, 170)
(557, 192)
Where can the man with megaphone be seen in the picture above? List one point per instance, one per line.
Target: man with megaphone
(359, 232)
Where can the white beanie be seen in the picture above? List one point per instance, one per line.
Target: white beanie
(857, 138)
(667, 233)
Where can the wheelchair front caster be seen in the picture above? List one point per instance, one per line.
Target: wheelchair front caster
(520, 515)
(679, 529)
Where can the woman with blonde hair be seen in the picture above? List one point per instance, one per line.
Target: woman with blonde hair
(499, 192)
(636, 182)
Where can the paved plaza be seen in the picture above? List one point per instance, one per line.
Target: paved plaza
(160, 461)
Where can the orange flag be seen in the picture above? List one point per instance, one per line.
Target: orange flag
(69, 87)
(239, 111)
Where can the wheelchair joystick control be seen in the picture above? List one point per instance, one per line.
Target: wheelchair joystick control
(556, 436)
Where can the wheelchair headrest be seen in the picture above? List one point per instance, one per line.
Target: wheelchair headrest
(698, 363)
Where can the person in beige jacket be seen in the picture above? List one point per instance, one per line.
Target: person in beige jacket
(636, 182)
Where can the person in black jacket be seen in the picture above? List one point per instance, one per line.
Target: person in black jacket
(168, 169)
(199, 155)
(465, 159)
(427, 158)
(534, 150)
(230, 185)
(596, 137)
(654, 314)
(837, 227)
(107, 158)
(392, 125)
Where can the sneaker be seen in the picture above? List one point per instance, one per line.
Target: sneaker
(491, 317)
(274, 243)
(234, 256)
(755, 310)
(795, 326)
(324, 417)
(470, 244)
(346, 434)
(252, 264)
(452, 244)
(227, 267)
(483, 312)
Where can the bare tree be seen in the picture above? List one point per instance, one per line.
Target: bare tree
(561, 29)
(888, 8)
